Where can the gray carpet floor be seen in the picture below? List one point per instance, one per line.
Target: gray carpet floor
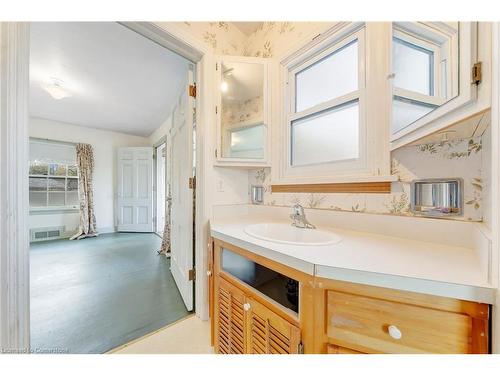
(92, 295)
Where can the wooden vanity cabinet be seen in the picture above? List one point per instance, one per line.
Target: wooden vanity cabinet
(367, 319)
(337, 317)
(245, 321)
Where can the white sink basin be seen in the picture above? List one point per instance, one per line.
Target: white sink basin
(287, 233)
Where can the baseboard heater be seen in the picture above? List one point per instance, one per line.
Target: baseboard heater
(45, 234)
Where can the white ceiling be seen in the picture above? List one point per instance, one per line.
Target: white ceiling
(119, 80)
(247, 27)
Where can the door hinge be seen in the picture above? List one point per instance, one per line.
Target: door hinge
(300, 349)
(192, 274)
(216, 66)
(477, 73)
(216, 110)
(192, 91)
(215, 152)
(192, 182)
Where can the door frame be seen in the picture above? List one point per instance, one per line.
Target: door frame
(162, 140)
(14, 148)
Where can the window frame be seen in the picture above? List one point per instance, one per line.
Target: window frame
(47, 191)
(436, 98)
(373, 163)
(464, 48)
(333, 45)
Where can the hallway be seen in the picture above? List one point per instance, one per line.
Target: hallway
(93, 295)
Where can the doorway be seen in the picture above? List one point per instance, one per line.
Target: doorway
(14, 101)
(101, 274)
(161, 184)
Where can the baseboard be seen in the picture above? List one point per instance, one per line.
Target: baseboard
(106, 230)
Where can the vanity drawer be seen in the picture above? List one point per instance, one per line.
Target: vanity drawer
(378, 326)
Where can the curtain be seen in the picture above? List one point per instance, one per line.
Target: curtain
(165, 243)
(85, 163)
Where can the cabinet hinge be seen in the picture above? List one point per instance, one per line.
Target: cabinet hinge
(192, 274)
(216, 66)
(215, 152)
(477, 73)
(216, 110)
(300, 349)
(192, 182)
(192, 91)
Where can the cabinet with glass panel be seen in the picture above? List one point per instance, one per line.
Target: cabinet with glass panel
(53, 185)
(242, 105)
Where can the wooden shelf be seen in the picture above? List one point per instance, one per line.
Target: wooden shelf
(348, 187)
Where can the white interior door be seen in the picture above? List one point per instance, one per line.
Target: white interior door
(181, 169)
(135, 189)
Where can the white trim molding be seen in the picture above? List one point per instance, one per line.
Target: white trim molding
(14, 243)
(495, 175)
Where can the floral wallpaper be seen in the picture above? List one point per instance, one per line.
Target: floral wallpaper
(272, 39)
(223, 37)
(449, 159)
(459, 158)
(269, 40)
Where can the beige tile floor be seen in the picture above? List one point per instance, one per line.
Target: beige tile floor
(187, 336)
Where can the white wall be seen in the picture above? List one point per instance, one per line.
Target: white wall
(104, 144)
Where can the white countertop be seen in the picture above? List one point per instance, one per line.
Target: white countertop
(375, 259)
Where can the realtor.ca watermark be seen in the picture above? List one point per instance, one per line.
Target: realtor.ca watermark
(34, 351)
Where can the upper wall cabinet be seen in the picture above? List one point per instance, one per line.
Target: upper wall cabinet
(242, 111)
(433, 75)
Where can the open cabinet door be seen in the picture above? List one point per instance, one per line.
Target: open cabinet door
(135, 189)
(181, 137)
(242, 93)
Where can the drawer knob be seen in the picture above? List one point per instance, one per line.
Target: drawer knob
(394, 332)
(209, 273)
(246, 306)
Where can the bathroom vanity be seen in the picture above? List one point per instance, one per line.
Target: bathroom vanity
(352, 292)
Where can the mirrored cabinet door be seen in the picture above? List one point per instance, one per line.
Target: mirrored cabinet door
(431, 65)
(242, 110)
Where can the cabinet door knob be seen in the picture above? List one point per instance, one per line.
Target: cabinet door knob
(246, 306)
(394, 332)
(209, 273)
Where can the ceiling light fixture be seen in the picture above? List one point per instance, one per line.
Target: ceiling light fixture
(55, 89)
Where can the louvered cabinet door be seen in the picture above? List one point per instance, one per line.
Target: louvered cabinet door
(268, 333)
(230, 319)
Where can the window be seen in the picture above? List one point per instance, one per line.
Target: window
(325, 126)
(53, 178)
(420, 68)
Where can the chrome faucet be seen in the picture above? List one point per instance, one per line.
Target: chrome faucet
(299, 218)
